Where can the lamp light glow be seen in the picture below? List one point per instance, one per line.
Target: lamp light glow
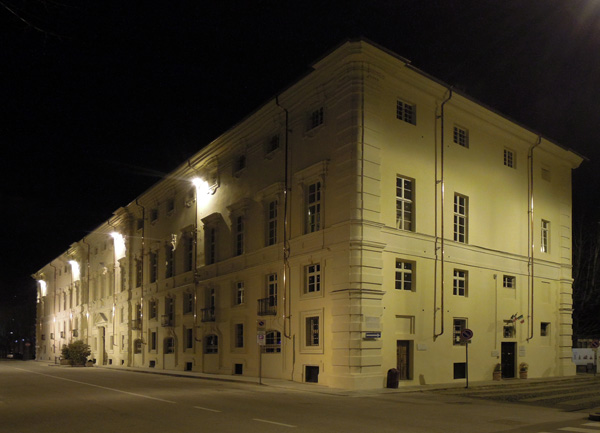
(43, 287)
(75, 269)
(119, 243)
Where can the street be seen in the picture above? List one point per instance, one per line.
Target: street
(36, 397)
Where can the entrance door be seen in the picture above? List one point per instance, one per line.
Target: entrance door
(508, 359)
(403, 358)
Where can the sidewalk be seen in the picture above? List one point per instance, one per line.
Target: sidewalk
(313, 387)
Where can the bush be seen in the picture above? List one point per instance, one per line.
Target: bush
(76, 352)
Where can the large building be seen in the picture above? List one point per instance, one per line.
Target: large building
(358, 222)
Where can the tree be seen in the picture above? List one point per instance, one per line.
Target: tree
(76, 352)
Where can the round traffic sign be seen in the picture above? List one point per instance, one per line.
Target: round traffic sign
(466, 334)
(595, 344)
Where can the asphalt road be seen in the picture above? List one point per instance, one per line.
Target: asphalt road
(35, 397)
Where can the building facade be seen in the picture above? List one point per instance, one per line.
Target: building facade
(359, 221)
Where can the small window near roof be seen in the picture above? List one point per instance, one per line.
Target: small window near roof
(406, 112)
(461, 136)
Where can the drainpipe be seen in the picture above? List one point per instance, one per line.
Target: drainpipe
(530, 291)
(286, 245)
(142, 282)
(440, 238)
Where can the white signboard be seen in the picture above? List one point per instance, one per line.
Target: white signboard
(583, 356)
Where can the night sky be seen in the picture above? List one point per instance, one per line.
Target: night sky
(100, 99)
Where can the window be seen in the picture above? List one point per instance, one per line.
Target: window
(459, 284)
(545, 329)
(188, 303)
(169, 262)
(138, 272)
(137, 346)
(153, 257)
(153, 340)
(312, 278)
(272, 144)
(457, 328)
(272, 289)
(169, 317)
(510, 158)
(239, 165)
(153, 309)
(313, 208)
(509, 282)
(460, 370)
(272, 223)
(211, 344)
(404, 275)
(137, 316)
(239, 235)
(239, 335)
(461, 204)
(315, 118)
(211, 245)
(169, 345)
(273, 342)
(153, 215)
(170, 206)
(239, 292)
(461, 136)
(545, 241)
(404, 203)
(406, 112)
(312, 331)
(188, 263)
(189, 338)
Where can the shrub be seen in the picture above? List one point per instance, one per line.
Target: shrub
(76, 352)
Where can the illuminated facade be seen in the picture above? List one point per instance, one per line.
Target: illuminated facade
(357, 222)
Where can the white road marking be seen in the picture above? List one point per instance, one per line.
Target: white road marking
(592, 424)
(98, 386)
(205, 408)
(273, 422)
(577, 429)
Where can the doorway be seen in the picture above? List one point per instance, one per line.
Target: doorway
(508, 359)
(403, 359)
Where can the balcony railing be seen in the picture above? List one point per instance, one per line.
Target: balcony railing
(208, 314)
(167, 320)
(267, 306)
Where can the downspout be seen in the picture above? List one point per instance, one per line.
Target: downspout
(441, 238)
(142, 279)
(530, 258)
(286, 246)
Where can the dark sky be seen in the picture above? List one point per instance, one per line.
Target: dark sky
(111, 95)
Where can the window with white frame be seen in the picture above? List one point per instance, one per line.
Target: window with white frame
(169, 345)
(545, 240)
(272, 342)
(313, 207)
(313, 337)
(153, 309)
(406, 112)
(509, 282)
(405, 273)
(460, 283)
(189, 338)
(312, 278)
(458, 325)
(272, 289)
(272, 222)
(239, 293)
(239, 235)
(461, 218)
(153, 341)
(210, 238)
(510, 158)
(461, 136)
(315, 118)
(404, 203)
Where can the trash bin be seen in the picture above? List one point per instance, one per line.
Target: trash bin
(393, 377)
